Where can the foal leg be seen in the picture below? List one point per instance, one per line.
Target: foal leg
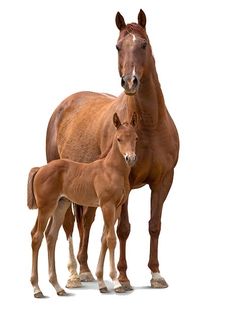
(99, 272)
(51, 237)
(158, 195)
(68, 225)
(84, 221)
(123, 230)
(109, 215)
(37, 237)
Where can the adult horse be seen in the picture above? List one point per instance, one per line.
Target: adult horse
(71, 135)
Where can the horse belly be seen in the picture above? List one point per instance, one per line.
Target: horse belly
(83, 195)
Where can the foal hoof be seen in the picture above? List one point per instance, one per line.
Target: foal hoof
(86, 277)
(39, 295)
(126, 285)
(103, 290)
(120, 289)
(159, 283)
(61, 293)
(73, 283)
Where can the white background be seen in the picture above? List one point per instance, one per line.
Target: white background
(51, 49)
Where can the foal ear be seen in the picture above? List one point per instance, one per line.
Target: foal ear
(116, 121)
(120, 22)
(134, 120)
(142, 18)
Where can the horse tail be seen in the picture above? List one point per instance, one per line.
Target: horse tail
(31, 202)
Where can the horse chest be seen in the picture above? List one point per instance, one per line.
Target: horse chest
(154, 160)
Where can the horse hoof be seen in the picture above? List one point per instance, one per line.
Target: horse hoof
(61, 293)
(73, 283)
(126, 285)
(103, 290)
(38, 295)
(159, 283)
(86, 277)
(120, 290)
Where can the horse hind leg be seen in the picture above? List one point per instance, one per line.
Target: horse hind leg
(68, 225)
(51, 237)
(85, 217)
(37, 237)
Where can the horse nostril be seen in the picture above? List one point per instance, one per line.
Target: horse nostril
(127, 158)
(122, 82)
(135, 81)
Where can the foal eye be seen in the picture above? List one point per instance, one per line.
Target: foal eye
(144, 45)
(118, 139)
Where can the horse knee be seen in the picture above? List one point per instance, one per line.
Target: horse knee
(154, 228)
(51, 239)
(123, 231)
(111, 242)
(36, 241)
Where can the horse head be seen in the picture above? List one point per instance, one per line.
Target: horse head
(134, 51)
(126, 138)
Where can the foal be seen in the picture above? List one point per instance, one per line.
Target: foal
(103, 183)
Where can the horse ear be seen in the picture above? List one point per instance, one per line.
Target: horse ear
(116, 121)
(134, 120)
(142, 18)
(120, 22)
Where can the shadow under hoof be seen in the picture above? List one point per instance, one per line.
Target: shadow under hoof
(62, 293)
(159, 284)
(39, 295)
(103, 290)
(73, 283)
(86, 277)
(120, 290)
(126, 286)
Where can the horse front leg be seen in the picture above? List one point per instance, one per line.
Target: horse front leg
(68, 225)
(84, 222)
(159, 192)
(123, 230)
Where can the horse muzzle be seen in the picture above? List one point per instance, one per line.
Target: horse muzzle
(130, 159)
(130, 83)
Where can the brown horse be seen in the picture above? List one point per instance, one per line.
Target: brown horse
(103, 183)
(71, 135)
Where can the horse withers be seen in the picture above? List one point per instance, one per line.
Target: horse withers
(103, 183)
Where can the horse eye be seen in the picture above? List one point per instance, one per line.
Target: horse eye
(144, 45)
(136, 139)
(118, 139)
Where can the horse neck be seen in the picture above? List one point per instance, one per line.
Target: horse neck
(149, 100)
(115, 159)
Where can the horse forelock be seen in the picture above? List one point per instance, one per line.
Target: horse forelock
(134, 28)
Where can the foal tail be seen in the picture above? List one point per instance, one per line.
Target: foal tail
(31, 202)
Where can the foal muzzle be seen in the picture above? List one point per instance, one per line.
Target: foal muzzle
(130, 159)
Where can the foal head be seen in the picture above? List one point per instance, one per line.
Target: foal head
(126, 138)
(134, 52)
